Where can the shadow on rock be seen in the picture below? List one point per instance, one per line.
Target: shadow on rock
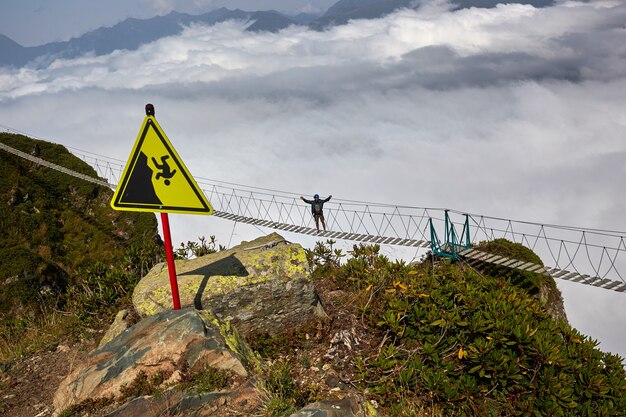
(229, 266)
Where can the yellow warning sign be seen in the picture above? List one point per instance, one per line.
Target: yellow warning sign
(155, 178)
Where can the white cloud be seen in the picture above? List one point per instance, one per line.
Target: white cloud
(514, 40)
(513, 111)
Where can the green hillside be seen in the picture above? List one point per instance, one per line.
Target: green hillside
(452, 340)
(53, 230)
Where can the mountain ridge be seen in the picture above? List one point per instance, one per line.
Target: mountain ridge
(131, 33)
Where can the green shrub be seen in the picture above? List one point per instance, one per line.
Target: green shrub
(91, 300)
(283, 396)
(197, 249)
(324, 257)
(208, 380)
(471, 344)
(143, 385)
(86, 407)
(527, 280)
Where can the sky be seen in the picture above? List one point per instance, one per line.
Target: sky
(35, 22)
(512, 112)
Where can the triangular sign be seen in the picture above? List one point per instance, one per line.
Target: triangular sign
(155, 178)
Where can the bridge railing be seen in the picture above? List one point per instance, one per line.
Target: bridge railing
(594, 253)
(340, 215)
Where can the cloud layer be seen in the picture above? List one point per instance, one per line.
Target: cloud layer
(432, 48)
(512, 111)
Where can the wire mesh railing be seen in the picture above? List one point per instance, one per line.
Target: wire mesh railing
(595, 253)
(340, 215)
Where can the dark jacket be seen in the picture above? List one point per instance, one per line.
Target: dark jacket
(316, 206)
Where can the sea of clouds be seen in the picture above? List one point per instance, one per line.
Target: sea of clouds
(515, 111)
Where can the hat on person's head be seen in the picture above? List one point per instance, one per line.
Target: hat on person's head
(316, 196)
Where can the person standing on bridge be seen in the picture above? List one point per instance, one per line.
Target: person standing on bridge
(317, 207)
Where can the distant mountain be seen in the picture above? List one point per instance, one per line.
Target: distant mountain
(344, 10)
(488, 4)
(9, 47)
(14, 54)
(131, 33)
(305, 18)
(269, 21)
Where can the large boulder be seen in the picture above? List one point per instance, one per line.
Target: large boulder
(259, 286)
(165, 345)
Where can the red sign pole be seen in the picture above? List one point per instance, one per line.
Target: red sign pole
(169, 252)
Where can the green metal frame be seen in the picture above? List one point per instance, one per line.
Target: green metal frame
(454, 244)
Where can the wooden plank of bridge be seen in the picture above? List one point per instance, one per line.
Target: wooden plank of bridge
(480, 256)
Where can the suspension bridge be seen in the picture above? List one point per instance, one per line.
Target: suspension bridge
(587, 256)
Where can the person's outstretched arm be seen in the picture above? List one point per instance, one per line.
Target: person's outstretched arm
(328, 199)
(306, 201)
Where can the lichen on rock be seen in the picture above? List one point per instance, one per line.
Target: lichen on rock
(261, 285)
(120, 323)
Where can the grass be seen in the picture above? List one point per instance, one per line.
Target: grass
(208, 380)
(52, 233)
(22, 336)
(143, 385)
(276, 403)
(86, 407)
(281, 395)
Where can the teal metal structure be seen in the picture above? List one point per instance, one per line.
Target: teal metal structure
(454, 243)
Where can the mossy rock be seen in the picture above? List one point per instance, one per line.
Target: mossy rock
(539, 285)
(261, 286)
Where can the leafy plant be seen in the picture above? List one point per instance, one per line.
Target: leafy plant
(473, 344)
(282, 395)
(208, 380)
(143, 385)
(324, 256)
(197, 249)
